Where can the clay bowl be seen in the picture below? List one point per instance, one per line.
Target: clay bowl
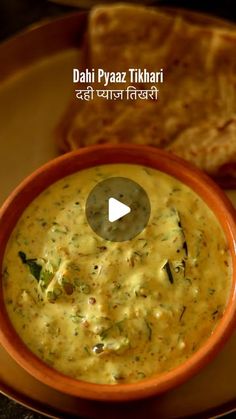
(92, 156)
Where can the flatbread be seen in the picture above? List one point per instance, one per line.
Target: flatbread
(195, 115)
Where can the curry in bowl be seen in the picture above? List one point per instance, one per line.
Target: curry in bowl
(116, 312)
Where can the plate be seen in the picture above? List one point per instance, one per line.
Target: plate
(36, 86)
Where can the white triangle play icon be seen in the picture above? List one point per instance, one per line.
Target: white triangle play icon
(116, 210)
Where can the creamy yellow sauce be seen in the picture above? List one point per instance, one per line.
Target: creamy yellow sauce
(111, 312)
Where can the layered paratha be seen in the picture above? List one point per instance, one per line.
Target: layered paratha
(195, 115)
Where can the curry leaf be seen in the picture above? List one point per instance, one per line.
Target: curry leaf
(34, 267)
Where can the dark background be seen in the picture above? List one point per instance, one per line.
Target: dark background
(18, 14)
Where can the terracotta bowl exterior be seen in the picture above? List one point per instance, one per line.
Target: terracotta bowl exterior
(67, 164)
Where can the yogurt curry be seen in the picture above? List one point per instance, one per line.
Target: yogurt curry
(112, 312)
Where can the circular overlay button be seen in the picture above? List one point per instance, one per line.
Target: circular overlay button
(118, 209)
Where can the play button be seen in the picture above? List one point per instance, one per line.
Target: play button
(117, 209)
